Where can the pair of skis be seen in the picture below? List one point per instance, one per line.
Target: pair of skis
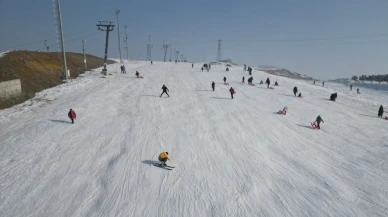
(167, 167)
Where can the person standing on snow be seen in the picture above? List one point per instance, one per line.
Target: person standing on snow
(165, 90)
(231, 90)
(137, 74)
(227, 69)
(72, 115)
(300, 95)
(124, 72)
(268, 82)
(213, 85)
(381, 111)
(224, 80)
(323, 83)
(243, 79)
(351, 87)
(192, 65)
(250, 80)
(163, 157)
(245, 67)
(295, 90)
(319, 120)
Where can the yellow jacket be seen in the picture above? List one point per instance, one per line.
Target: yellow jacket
(164, 155)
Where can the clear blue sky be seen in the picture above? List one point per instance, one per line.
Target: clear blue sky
(324, 39)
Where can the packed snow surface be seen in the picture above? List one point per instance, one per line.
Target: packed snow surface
(233, 157)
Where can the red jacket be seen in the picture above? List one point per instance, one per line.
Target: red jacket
(72, 114)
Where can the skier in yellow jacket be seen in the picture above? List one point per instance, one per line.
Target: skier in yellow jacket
(164, 157)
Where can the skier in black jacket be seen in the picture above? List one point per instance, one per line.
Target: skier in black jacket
(319, 120)
(295, 90)
(250, 80)
(165, 90)
(213, 86)
(381, 111)
(268, 82)
(224, 80)
(333, 97)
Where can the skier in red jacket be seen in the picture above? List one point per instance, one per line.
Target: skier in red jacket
(72, 115)
(231, 90)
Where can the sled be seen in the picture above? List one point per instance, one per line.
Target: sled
(141, 77)
(386, 117)
(243, 82)
(234, 92)
(300, 96)
(282, 112)
(271, 88)
(314, 125)
(226, 83)
(253, 85)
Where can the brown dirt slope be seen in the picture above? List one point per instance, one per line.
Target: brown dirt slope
(41, 70)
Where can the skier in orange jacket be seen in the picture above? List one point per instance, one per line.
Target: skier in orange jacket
(163, 157)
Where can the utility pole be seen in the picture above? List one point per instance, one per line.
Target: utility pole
(219, 57)
(47, 47)
(62, 39)
(165, 47)
(170, 51)
(109, 27)
(126, 40)
(118, 32)
(83, 51)
(149, 47)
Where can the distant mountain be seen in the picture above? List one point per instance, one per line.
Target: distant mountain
(283, 72)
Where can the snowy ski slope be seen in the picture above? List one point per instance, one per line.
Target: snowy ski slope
(233, 157)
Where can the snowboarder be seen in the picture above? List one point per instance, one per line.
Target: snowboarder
(319, 120)
(276, 83)
(295, 90)
(227, 69)
(381, 111)
(213, 85)
(137, 74)
(268, 82)
(224, 80)
(231, 90)
(250, 80)
(333, 96)
(72, 115)
(243, 79)
(165, 90)
(163, 157)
